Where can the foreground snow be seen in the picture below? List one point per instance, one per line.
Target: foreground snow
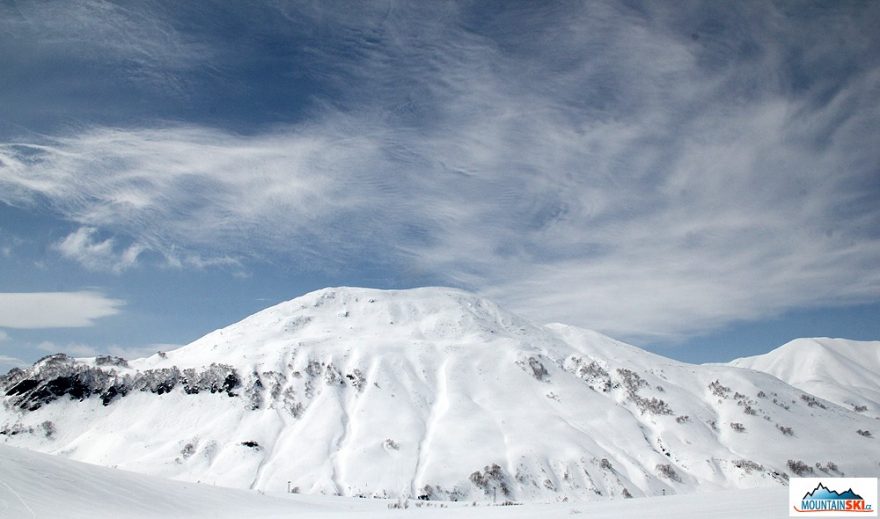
(42, 486)
(431, 393)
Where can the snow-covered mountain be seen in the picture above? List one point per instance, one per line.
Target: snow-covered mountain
(840, 370)
(435, 394)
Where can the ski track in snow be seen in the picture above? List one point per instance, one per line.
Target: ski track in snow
(337, 463)
(269, 456)
(438, 408)
(20, 499)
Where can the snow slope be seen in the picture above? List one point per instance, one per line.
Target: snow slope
(38, 485)
(34, 485)
(431, 393)
(839, 370)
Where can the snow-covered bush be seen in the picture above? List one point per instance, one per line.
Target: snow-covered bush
(781, 404)
(314, 368)
(333, 376)
(748, 465)
(668, 471)
(534, 367)
(812, 402)
(787, 431)
(254, 391)
(357, 379)
(490, 479)
(590, 372)
(16, 429)
(799, 468)
(188, 450)
(651, 405)
(631, 380)
(57, 376)
(738, 427)
(400, 504)
(829, 468)
(718, 389)
(110, 360)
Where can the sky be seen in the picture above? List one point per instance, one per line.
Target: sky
(701, 179)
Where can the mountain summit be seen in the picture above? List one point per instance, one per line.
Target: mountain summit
(430, 393)
(840, 370)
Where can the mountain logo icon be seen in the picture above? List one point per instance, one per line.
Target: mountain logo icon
(823, 492)
(823, 499)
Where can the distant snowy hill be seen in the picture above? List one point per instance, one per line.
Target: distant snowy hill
(433, 394)
(842, 371)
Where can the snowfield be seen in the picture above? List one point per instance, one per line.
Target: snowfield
(34, 485)
(438, 395)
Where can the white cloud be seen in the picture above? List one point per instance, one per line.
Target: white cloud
(55, 309)
(84, 247)
(141, 40)
(8, 244)
(195, 195)
(7, 363)
(628, 171)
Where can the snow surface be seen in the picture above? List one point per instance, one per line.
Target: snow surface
(440, 394)
(34, 485)
(839, 370)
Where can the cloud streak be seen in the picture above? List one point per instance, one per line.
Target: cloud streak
(36, 310)
(140, 38)
(642, 171)
(93, 253)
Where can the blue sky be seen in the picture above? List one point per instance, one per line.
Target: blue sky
(699, 178)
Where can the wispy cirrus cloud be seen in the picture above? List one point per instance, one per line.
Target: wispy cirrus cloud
(36, 310)
(139, 37)
(645, 171)
(196, 195)
(94, 253)
(7, 363)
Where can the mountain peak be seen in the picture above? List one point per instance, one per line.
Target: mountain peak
(842, 371)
